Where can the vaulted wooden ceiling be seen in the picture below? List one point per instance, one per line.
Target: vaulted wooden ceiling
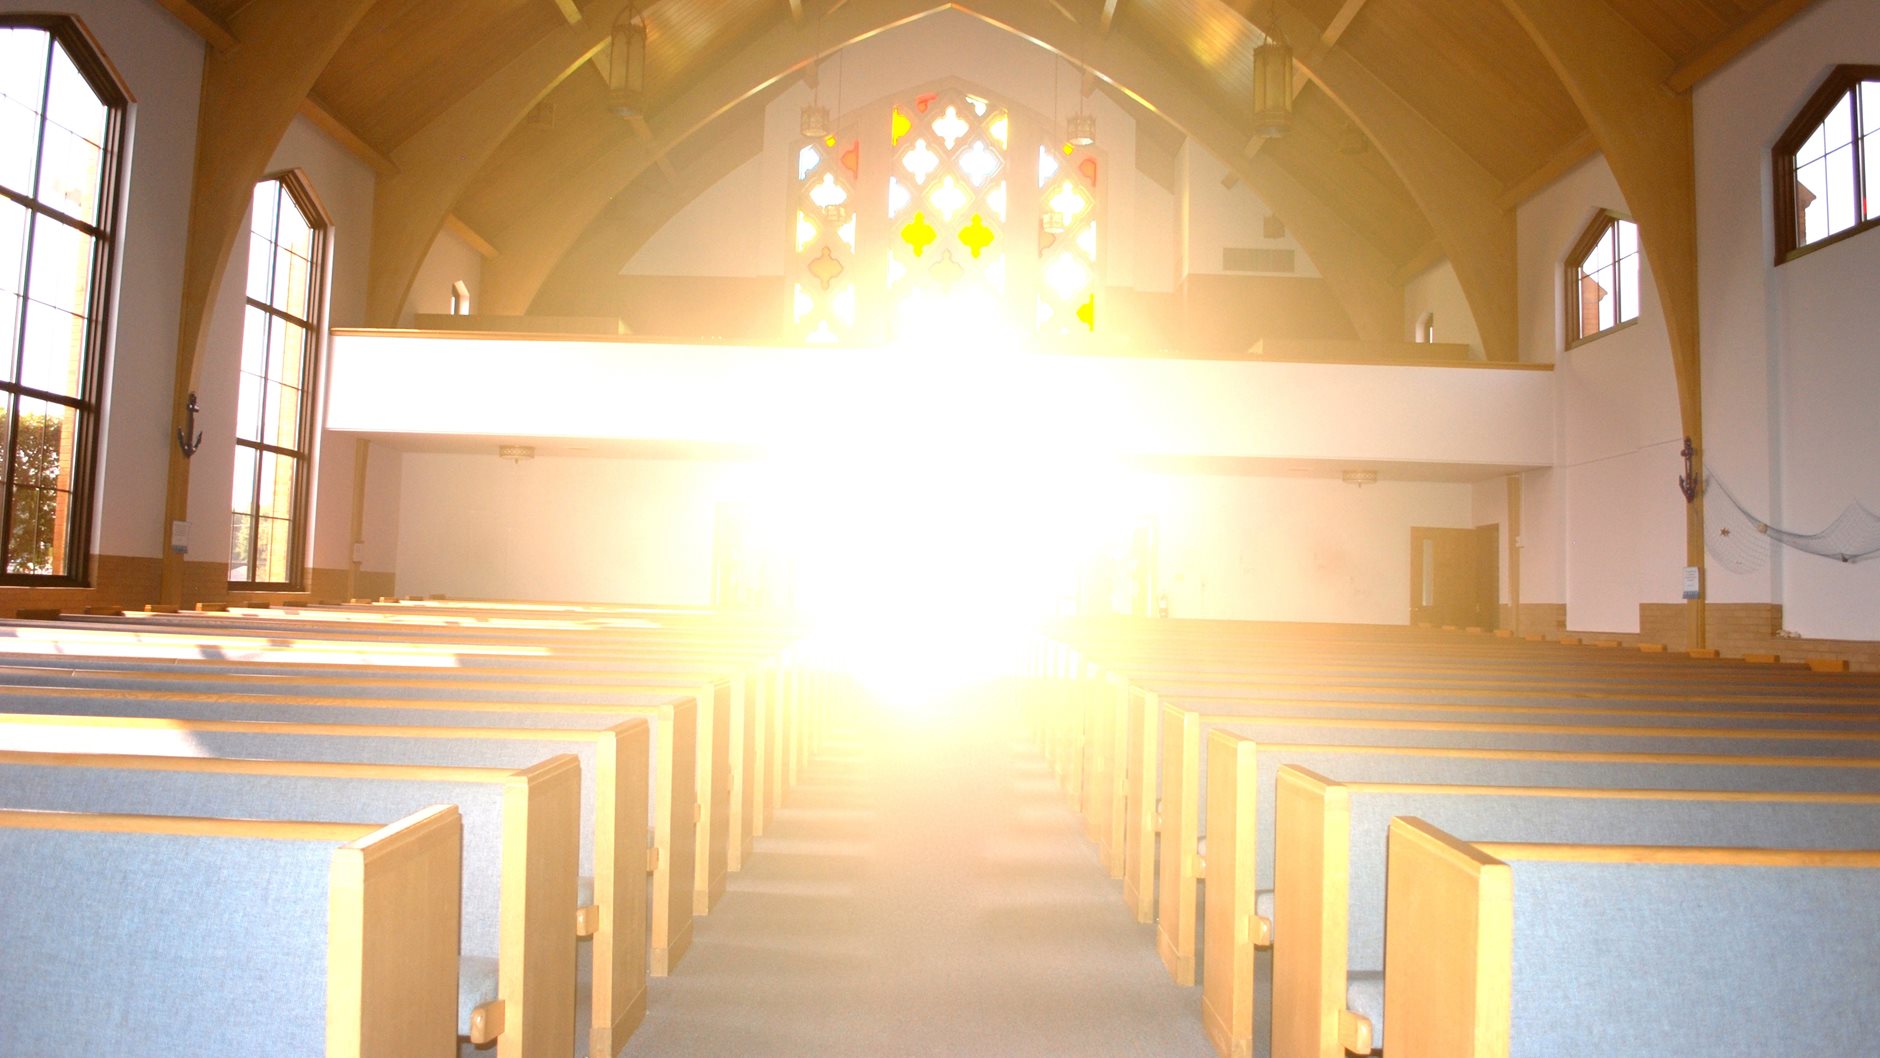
(442, 95)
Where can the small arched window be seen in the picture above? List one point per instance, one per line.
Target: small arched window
(61, 145)
(1602, 291)
(1827, 165)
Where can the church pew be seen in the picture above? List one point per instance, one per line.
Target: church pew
(1330, 845)
(1491, 951)
(682, 801)
(520, 853)
(613, 849)
(1178, 862)
(222, 938)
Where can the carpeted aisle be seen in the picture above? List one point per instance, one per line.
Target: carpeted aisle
(925, 890)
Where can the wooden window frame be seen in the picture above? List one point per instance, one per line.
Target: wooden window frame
(299, 189)
(1588, 239)
(1788, 219)
(89, 59)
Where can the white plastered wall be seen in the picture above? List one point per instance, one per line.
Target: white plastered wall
(1789, 368)
(1621, 540)
(1437, 292)
(451, 260)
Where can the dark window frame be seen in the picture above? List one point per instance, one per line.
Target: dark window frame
(1840, 82)
(296, 187)
(88, 58)
(1595, 231)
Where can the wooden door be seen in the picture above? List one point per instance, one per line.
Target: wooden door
(1449, 584)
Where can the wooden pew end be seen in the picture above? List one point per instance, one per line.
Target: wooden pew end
(1354, 1032)
(1260, 931)
(1827, 664)
(1707, 653)
(486, 1023)
(587, 920)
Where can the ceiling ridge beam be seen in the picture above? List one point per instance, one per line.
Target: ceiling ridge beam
(201, 23)
(1733, 42)
(315, 110)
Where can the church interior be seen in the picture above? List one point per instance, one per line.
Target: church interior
(1081, 527)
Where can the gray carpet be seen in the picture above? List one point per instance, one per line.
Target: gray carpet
(925, 890)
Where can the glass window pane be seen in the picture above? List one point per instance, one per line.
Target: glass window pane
(287, 353)
(280, 551)
(1628, 237)
(19, 146)
(60, 272)
(242, 497)
(1870, 157)
(255, 340)
(23, 53)
(291, 285)
(283, 418)
(1843, 211)
(260, 257)
(70, 102)
(1839, 128)
(1629, 292)
(258, 559)
(13, 222)
(295, 236)
(239, 546)
(267, 200)
(277, 486)
(248, 426)
(42, 472)
(71, 175)
(1815, 145)
(1870, 107)
(1604, 277)
(54, 359)
(1811, 189)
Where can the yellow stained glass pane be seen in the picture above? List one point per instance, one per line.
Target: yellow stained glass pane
(979, 105)
(999, 128)
(1087, 240)
(898, 127)
(805, 230)
(976, 236)
(949, 197)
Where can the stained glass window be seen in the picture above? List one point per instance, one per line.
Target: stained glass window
(1069, 238)
(61, 121)
(273, 425)
(947, 208)
(824, 221)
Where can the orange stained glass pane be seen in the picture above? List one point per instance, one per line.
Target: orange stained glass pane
(852, 159)
(1088, 167)
(925, 100)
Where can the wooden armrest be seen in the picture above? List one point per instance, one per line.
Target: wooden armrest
(1354, 1032)
(486, 1022)
(1260, 931)
(652, 860)
(1198, 866)
(587, 920)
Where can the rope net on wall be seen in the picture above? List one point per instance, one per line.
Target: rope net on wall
(1740, 541)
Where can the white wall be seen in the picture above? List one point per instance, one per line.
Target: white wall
(719, 233)
(1220, 217)
(1439, 291)
(562, 528)
(161, 64)
(1622, 538)
(1788, 366)
(450, 260)
(1276, 549)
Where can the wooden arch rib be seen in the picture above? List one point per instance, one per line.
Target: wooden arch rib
(535, 241)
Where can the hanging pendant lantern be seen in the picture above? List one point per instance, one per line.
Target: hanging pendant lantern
(815, 123)
(836, 214)
(1054, 221)
(1272, 89)
(1081, 129)
(626, 65)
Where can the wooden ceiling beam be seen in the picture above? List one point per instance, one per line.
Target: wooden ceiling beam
(1340, 23)
(796, 11)
(201, 23)
(250, 95)
(1617, 77)
(644, 133)
(570, 10)
(456, 226)
(1108, 17)
(438, 161)
(1734, 42)
(1564, 161)
(1428, 256)
(315, 111)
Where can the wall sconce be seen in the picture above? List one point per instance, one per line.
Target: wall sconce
(1053, 221)
(1360, 478)
(515, 453)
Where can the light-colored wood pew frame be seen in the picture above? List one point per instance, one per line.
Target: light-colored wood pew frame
(622, 859)
(1312, 880)
(539, 848)
(392, 919)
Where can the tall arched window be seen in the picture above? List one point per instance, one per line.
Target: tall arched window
(61, 141)
(1827, 164)
(274, 420)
